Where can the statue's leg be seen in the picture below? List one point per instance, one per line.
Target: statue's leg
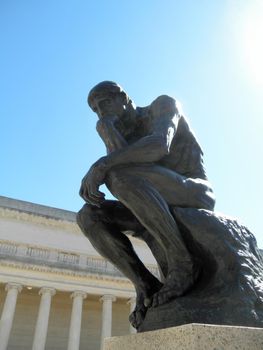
(103, 230)
(115, 211)
(148, 191)
(157, 251)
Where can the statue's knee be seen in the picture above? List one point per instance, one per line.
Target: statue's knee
(86, 216)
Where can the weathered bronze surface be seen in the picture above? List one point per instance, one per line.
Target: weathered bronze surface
(210, 267)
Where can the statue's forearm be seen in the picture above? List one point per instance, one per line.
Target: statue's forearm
(147, 150)
(115, 141)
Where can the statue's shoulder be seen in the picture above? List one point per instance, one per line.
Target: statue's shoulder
(163, 106)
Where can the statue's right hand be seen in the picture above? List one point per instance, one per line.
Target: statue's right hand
(105, 125)
(91, 182)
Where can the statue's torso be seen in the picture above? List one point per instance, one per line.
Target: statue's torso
(185, 156)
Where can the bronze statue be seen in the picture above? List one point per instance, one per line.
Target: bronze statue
(154, 167)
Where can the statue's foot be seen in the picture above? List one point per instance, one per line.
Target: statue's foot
(174, 287)
(138, 315)
(143, 302)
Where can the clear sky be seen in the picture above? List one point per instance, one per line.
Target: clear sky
(208, 54)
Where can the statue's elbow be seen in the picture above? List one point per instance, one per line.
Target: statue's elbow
(164, 148)
(158, 145)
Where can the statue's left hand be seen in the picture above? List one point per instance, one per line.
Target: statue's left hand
(91, 182)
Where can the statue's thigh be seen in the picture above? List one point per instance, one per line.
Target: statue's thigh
(175, 189)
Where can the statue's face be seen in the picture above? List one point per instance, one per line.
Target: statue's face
(113, 105)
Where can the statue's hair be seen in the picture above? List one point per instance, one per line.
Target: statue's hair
(106, 88)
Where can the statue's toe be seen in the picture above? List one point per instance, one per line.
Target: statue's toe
(137, 316)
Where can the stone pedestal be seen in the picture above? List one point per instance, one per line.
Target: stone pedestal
(191, 337)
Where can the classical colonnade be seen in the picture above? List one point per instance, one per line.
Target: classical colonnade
(40, 335)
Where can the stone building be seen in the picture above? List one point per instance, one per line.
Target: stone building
(56, 292)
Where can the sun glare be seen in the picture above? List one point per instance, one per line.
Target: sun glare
(252, 40)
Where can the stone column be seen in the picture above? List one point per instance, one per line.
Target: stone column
(132, 303)
(107, 300)
(8, 313)
(42, 318)
(75, 321)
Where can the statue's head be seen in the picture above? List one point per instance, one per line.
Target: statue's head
(108, 98)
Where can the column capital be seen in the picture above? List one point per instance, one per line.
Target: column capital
(78, 293)
(47, 290)
(131, 301)
(13, 285)
(108, 297)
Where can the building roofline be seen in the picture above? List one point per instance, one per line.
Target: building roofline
(37, 209)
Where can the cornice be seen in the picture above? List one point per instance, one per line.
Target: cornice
(37, 209)
(39, 220)
(122, 289)
(56, 271)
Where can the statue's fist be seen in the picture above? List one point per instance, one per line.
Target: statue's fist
(89, 189)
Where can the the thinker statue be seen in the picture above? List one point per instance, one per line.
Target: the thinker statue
(154, 167)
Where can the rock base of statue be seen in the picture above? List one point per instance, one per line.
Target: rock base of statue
(229, 290)
(191, 337)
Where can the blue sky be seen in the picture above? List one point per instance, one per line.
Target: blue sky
(207, 54)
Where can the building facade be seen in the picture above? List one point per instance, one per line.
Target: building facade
(56, 292)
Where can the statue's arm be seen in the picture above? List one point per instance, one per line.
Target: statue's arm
(154, 146)
(111, 137)
(148, 149)
(113, 140)
(161, 131)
